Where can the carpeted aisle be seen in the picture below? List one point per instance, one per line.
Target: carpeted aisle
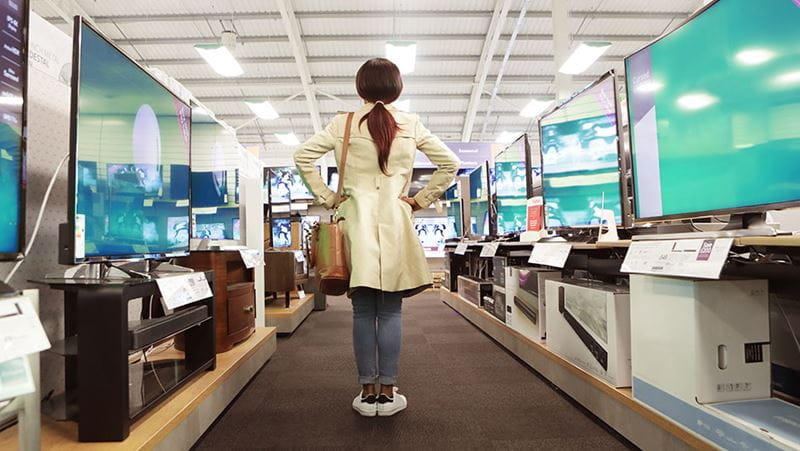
(464, 391)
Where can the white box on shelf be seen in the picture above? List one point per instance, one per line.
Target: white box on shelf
(526, 300)
(701, 341)
(589, 324)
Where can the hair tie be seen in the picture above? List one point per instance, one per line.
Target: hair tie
(380, 102)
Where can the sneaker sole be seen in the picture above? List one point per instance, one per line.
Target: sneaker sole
(365, 413)
(389, 413)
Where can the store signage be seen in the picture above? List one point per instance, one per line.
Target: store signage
(699, 258)
(251, 258)
(471, 154)
(178, 291)
(550, 254)
(490, 249)
(461, 249)
(21, 332)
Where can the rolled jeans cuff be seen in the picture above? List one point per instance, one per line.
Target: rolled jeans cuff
(387, 380)
(367, 380)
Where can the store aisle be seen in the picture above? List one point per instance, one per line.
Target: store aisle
(464, 391)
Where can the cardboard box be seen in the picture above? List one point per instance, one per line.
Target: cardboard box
(589, 324)
(526, 300)
(701, 341)
(784, 326)
(474, 289)
(500, 263)
(496, 303)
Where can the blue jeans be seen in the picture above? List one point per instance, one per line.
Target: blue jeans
(377, 335)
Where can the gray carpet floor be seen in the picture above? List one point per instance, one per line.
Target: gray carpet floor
(464, 390)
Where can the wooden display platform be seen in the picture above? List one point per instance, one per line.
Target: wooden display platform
(776, 241)
(178, 422)
(644, 427)
(287, 320)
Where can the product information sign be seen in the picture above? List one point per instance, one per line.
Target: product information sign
(21, 332)
(699, 258)
(461, 249)
(550, 254)
(490, 249)
(178, 291)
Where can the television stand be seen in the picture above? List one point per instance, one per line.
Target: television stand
(740, 225)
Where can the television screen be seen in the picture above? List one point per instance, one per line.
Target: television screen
(209, 189)
(432, 233)
(720, 134)
(307, 226)
(179, 176)
(237, 230)
(128, 131)
(223, 215)
(286, 185)
(511, 186)
(13, 92)
(281, 232)
(419, 180)
(580, 158)
(479, 199)
(333, 178)
(455, 213)
(211, 231)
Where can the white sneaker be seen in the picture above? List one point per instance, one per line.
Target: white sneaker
(366, 406)
(389, 406)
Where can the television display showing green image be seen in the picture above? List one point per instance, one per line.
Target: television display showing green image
(129, 132)
(455, 215)
(480, 196)
(715, 112)
(580, 158)
(511, 186)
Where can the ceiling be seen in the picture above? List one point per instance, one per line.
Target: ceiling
(302, 55)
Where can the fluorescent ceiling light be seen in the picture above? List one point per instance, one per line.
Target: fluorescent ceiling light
(288, 139)
(200, 111)
(264, 110)
(403, 54)
(507, 137)
(695, 101)
(535, 107)
(649, 86)
(11, 101)
(583, 56)
(789, 78)
(753, 57)
(220, 59)
(403, 105)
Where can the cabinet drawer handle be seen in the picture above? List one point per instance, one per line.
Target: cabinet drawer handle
(249, 309)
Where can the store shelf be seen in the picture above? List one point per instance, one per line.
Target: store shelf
(179, 421)
(287, 320)
(774, 241)
(644, 427)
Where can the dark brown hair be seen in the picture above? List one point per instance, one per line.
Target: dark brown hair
(379, 80)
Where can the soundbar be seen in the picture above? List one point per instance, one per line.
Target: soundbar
(597, 350)
(143, 333)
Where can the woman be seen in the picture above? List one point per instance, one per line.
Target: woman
(387, 262)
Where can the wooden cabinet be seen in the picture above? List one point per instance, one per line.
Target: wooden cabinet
(234, 294)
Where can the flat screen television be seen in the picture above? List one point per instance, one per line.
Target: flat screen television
(287, 186)
(455, 211)
(13, 96)
(127, 132)
(308, 223)
(333, 178)
(209, 189)
(419, 180)
(582, 171)
(236, 227)
(220, 218)
(281, 233)
(512, 182)
(210, 231)
(714, 109)
(480, 196)
(432, 233)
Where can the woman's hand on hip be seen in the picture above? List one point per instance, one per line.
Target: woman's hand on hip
(411, 201)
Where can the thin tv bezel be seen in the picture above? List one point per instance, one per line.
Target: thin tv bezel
(528, 179)
(23, 142)
(621, 167)
(760, 208)
(489, 195)
(78, 22)
(460, 198)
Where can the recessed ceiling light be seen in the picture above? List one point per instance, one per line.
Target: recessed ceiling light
(696, 101)
(507, 137)
(288, 139)
(535, 107)
(403, 54)
(583, 56)
(263, 110)
(753, 57)
(220, 59)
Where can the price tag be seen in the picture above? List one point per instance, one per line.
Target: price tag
(299, 256)
(301, 293)
(251, 258)
(177, 291)
(21, 332)
(15, 379)
(699, 258)
(550, 254)
(490, 249)
(461, 248)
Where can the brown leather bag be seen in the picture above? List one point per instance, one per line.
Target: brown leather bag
(328, 247)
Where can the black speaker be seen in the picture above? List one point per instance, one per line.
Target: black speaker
(66, 241)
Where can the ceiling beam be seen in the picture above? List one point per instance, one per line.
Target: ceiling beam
(329, 38)
(67, 10)
(296, 41)
(375, 14)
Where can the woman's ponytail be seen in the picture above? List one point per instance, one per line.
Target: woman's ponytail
(383, 129)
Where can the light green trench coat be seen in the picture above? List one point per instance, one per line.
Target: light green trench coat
(385, 253)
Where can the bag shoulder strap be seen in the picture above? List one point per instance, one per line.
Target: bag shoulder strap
(345, 145)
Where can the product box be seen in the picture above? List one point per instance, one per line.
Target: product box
(500, 263)
(474, 289)
(700, 341)
(496, 303)
(455, 265)
(784, 325)
(447, 281)
(526, 300)
(589, 324)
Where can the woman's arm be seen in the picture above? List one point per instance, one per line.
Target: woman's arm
(305, 157)
(444, 158)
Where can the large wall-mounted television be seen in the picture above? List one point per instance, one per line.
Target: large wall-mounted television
(13, 93)
(512, 185)
(128, 132)
(480, 200)
(714, 109)
(582, 170)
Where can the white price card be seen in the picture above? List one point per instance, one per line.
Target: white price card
(461, 248)
(299, 256)
(700, 258)
(21, 332)
(550, 254)
(177, 291)
(490, 249)
(16, 378)
(251, 258)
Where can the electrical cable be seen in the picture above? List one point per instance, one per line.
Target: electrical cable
(45, 199)
(155, 373)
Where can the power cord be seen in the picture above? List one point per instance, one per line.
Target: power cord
(45, 199)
